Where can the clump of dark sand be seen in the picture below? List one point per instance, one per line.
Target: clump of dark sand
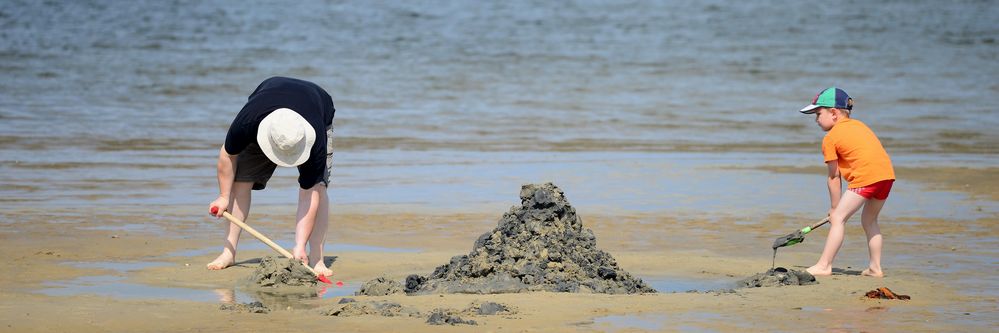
(778, 277)
(488, 309)
(373, 308)
(540, 245)
(282, 272)
(254, 307)
(349, 307)
(448, 317)
(380, 286)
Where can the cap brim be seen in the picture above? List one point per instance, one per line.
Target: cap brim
(810, 109)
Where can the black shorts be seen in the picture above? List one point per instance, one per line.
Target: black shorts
(253, 166)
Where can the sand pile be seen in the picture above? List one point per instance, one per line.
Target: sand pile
(275, 273)
(778, 277)
(380, 286)
(349, 307)
(540, 245)
(253, 307)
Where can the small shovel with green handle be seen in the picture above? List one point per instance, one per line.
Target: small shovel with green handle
(797, 236)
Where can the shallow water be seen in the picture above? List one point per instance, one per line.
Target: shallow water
(333, 248)
(134, 116)
(114, 286)
(122, 105)
(117, 287)
(680, 284)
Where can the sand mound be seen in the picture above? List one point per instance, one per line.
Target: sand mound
(778, 277)
(448, 317)
(540, 245)
(253, 307)
(275, 273)
(380, 286)
(349, 308)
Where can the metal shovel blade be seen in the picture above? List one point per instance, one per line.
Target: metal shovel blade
(789, 239)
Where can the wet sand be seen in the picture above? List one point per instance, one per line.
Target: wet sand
(45, 281)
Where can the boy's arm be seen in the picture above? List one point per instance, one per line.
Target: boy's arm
(226, 175)
(835, 185)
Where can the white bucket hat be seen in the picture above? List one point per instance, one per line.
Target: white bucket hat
(286, 138)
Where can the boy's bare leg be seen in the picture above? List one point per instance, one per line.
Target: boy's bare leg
(869, 219)
(848, 204)
(240, 208)
(318, 238)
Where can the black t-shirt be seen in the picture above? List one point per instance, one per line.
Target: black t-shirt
(305, 98)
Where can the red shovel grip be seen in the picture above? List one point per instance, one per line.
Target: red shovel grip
(215, 210)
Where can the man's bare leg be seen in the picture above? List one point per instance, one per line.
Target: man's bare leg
(308, 208)
(240, 208)
(869, 219)
(848, 204)
(313, 220)
(318, 238)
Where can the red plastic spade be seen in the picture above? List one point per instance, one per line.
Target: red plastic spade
(268, 241)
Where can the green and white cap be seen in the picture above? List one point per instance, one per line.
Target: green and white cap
(832, 97)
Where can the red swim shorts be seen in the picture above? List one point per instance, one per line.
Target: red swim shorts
(877, 190)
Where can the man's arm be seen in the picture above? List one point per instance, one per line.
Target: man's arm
(226, 170)
(835, 185)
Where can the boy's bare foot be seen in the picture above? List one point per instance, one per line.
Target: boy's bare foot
(224, 260)
(321, 269)
(870, 272)
(819, 271)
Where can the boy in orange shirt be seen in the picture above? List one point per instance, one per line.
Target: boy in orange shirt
(854, 153)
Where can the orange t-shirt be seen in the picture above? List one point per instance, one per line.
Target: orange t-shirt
(861, 158)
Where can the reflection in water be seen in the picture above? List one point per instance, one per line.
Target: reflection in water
(226, 296)
(283, 298)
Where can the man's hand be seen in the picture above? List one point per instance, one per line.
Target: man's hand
(222, 203)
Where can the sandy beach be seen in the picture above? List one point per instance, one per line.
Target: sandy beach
(67, 264)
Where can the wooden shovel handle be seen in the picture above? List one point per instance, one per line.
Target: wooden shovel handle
(262, 238)
(820, 223)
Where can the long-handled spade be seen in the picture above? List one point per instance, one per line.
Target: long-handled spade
(795, 237)
(269, 242)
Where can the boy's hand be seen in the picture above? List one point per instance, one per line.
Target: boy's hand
(221, 204)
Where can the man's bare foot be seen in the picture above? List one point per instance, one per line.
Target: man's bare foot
(224, 260)
(819, 271)
(870, 272)
(321, 269)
